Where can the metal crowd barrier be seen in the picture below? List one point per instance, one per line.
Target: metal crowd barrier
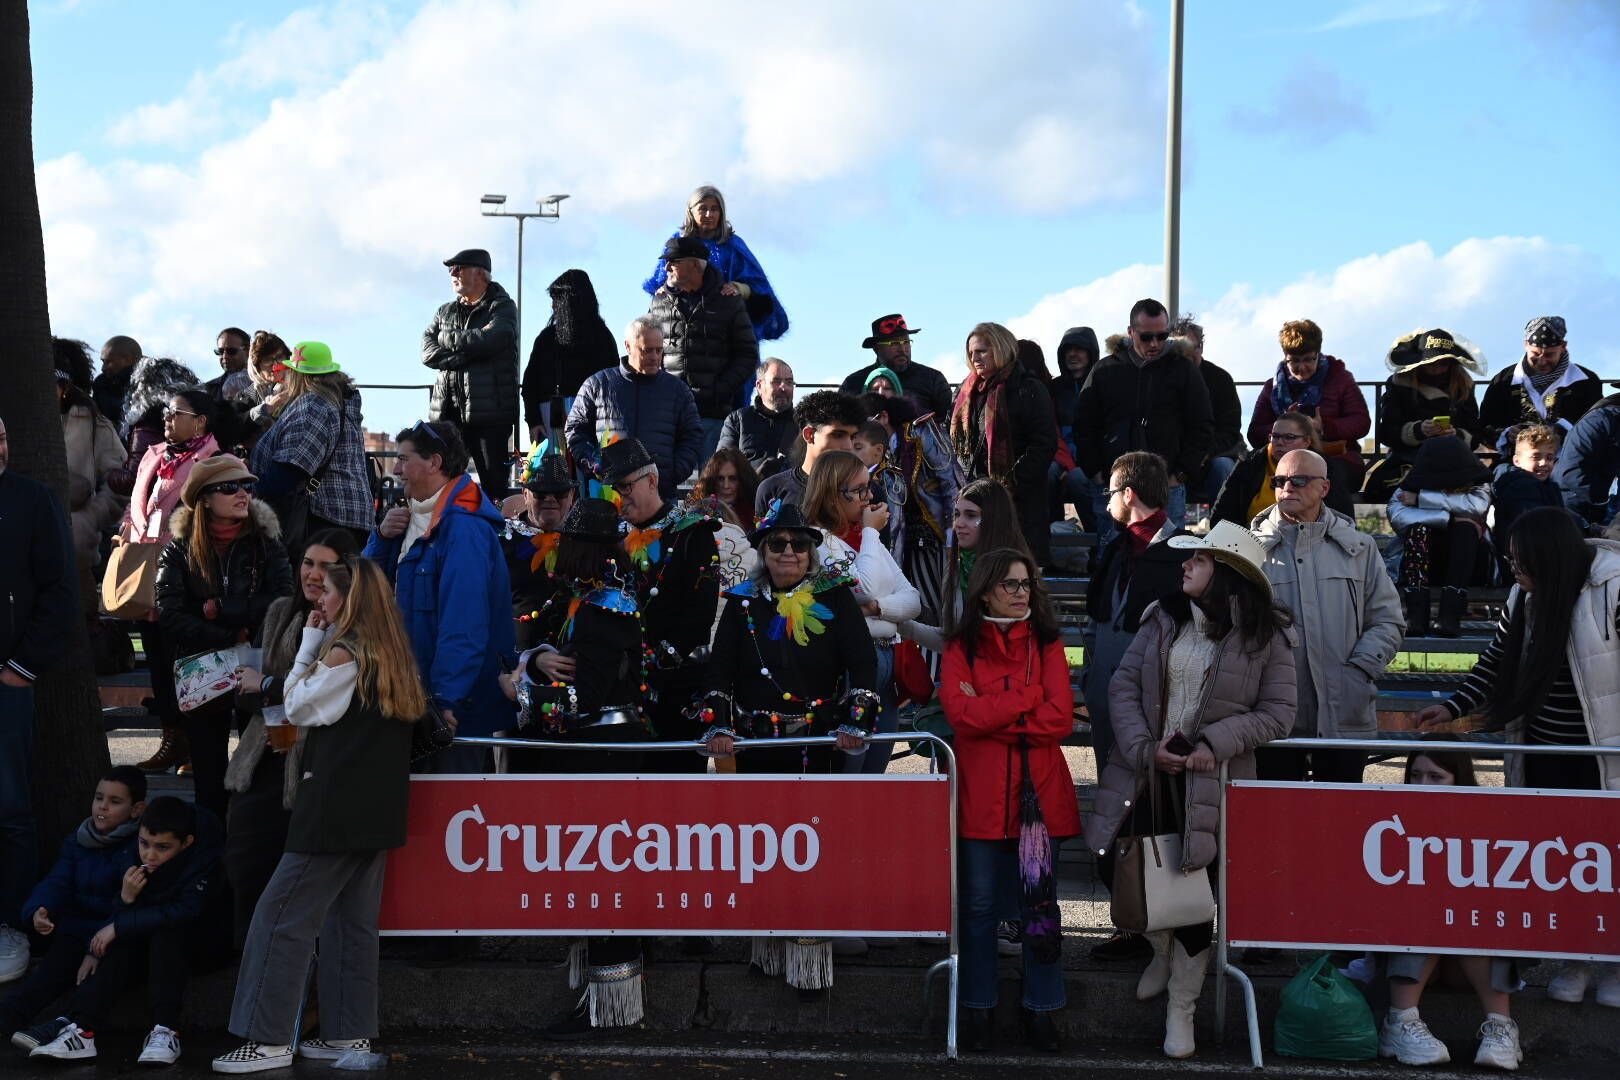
(1391, 748)
(943, 753)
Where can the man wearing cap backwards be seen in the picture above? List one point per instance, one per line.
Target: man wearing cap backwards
(472, 344)
(709, 342)
(1347, 616)
(37, 580)
(1544, 387)
(675, 557)
(890, 342)
(534, 517)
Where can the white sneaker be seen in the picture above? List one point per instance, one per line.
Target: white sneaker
(13, 954)
(1361, 970)
(252, 1057)
(1411, 1043)
(1499, 1044)
(73, 1044)
(1608, 991)
(331, 1049)
(1569, 985)
(162, 1047)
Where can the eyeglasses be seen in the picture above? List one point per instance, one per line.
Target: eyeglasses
(1111, 492)
(1298, 482)
(1014, 586)
(229, 487)
(776, 545)
(1285, 436)
(169, 414)
(1162, 335)
(1301, 358)
(856, 494)
(228, 350)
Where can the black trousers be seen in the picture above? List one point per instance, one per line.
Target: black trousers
(489, 445)
(160, 660)
(160, 958)
(50, 978)
(671, 724)
(1323, 766)
(208, 729)
(255, 836)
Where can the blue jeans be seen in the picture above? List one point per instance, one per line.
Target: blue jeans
(876, 758)
(991, 893)
(1175, 510)
(1077, 488)
(1215, 477)
(19, 844)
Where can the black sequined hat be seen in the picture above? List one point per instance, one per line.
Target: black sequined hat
(550, 477)
(622, 458)
(593, 519)
(784, 517)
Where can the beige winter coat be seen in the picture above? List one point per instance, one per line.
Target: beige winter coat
(1248, 700)
(1346, 611)
(93, 451)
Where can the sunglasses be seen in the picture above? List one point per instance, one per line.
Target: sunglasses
(425, 430)
(1014, 586)
(169, 414)
(229, 487)
(1298, 483)
(1162, 335)
(776, 545)
(229, 350)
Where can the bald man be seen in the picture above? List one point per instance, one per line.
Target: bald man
(1347, 619)
(118, 359)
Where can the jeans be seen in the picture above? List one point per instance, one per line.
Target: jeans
(711, 442)
(1077, 488)
(160, 958)
(876, 758)
(1175, 509)
(48, 980)
(1215, 478)
(19, 843)
(992, 893)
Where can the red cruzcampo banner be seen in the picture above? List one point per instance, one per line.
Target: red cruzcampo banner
(1424, 869)
(809, 856)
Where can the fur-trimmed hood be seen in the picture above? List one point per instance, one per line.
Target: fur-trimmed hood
(264, 520)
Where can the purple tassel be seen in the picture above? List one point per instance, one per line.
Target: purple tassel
(1043, 930)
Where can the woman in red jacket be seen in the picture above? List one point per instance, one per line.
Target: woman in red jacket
(1005, 688)
(1314, 384)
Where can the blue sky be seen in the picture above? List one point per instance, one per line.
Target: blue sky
(304, 167)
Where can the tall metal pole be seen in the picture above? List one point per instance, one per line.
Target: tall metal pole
(1172, 171)
(517, 425)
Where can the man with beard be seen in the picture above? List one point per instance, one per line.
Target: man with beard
(1544, 387)
(764, 431)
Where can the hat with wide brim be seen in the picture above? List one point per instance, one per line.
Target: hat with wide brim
(1422, 347)
(1232, 544)
(783, 517)
(889, 328)
(219, 469)
(593, 519)
(313, 358)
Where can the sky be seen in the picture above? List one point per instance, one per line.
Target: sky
(1377, 166)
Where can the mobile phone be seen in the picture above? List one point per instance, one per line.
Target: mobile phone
(1442, 421)
(1180, 745)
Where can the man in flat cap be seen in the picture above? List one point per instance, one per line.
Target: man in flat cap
(1544, 387)
(472, 344)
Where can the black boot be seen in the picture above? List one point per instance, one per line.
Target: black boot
(1417, 612)
(1040, 1033)
(973, 1029)
(575, 1025)
(1453, 606)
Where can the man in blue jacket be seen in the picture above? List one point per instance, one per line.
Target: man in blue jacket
(1589, 463)
(442, 551)
(38, 603)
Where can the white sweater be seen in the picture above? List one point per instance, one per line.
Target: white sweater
(318, 695)
(877, 577)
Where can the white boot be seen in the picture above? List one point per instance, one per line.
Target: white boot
(1186, 983)
(1157, 974)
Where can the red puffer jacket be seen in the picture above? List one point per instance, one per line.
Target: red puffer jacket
(1021, 689)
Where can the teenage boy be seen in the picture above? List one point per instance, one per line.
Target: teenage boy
(827, 420)
(1525, 483)
(161, 896)
(77, 898)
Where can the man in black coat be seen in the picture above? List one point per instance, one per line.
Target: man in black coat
(1544, 387)
(1226, 411)
(472, 344)
(709, 342)
(925, 387)
(38, 603)
(1144, 396)
(764, 430)
(118, 359)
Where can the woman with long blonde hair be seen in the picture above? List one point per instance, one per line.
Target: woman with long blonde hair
(354, 688)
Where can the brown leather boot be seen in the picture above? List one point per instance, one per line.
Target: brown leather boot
(172, 751)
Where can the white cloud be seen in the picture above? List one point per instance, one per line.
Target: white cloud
(1311, 104)
(1484, 289)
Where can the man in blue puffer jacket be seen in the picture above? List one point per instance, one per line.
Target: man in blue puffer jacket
(638, 400)
(1589, 463)
(442, 551)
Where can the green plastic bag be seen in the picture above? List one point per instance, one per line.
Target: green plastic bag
(1324, 1016)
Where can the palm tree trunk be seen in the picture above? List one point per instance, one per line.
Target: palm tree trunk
(70, 747)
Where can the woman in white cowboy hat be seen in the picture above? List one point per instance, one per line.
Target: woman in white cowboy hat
(1429, 395)
(1209, 677)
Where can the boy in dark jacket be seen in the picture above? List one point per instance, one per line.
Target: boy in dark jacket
(161, 897)
(1526, 482)
(77, 897)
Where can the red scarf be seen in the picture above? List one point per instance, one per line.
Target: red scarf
(176, 455)
(993, 420)
(222, 534)
(851, 535)
(1139, 534)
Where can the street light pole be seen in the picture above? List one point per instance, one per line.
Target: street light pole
(549, 208)
(1172, 171)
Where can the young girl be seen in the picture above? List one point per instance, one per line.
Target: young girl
(1403, 1035)
(355, 690)
(983, 519)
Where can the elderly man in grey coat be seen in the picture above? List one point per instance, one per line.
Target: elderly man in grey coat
(1347, 616)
